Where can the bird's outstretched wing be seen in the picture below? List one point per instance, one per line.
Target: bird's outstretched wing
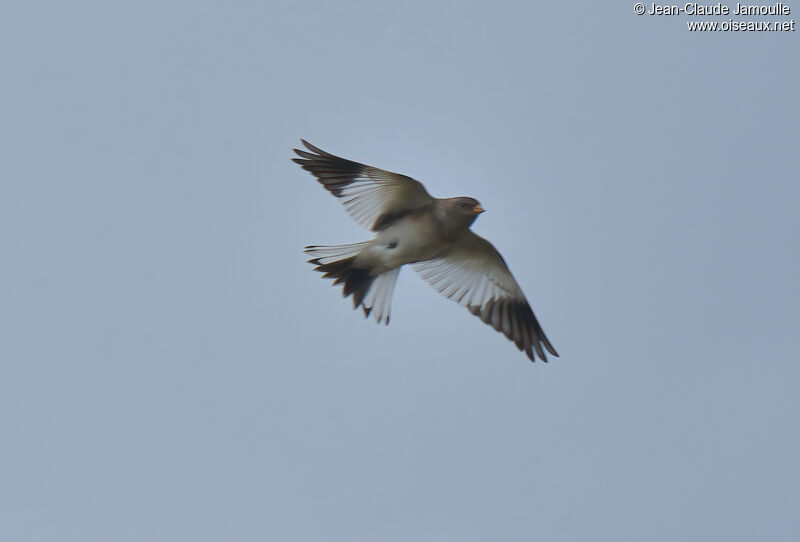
(372, 196)
(472, 273)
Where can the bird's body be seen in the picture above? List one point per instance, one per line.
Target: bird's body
(432, 234)
(397, 244)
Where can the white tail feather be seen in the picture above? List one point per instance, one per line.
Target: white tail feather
(378, 300)
(335, 253)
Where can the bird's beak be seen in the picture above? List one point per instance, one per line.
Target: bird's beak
(478, 209)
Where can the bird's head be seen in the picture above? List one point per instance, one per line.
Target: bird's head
(460, 213)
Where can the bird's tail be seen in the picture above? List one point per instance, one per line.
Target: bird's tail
(371, 291)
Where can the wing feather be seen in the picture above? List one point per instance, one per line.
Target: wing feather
(373, 197)
(473, 274)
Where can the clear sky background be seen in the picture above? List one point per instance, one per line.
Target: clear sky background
(172, 368)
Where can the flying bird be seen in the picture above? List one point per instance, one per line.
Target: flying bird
(431, 234)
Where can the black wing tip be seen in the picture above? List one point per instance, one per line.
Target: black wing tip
(533, 353)
(542, 340)
(305, 154)
(528, 338)
(542, 355)
(332, 171)
(535, 350)
(313, 149)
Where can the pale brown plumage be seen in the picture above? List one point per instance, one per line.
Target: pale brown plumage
(431, 234)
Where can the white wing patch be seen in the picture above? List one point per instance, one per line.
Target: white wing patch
(470, 277)
(367, 199)
(370, 195)
(473, 274)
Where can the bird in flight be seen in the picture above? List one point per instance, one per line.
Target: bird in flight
(431, 234)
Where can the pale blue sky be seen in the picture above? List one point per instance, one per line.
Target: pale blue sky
(173, 369)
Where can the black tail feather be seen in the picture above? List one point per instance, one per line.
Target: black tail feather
(356, 281)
